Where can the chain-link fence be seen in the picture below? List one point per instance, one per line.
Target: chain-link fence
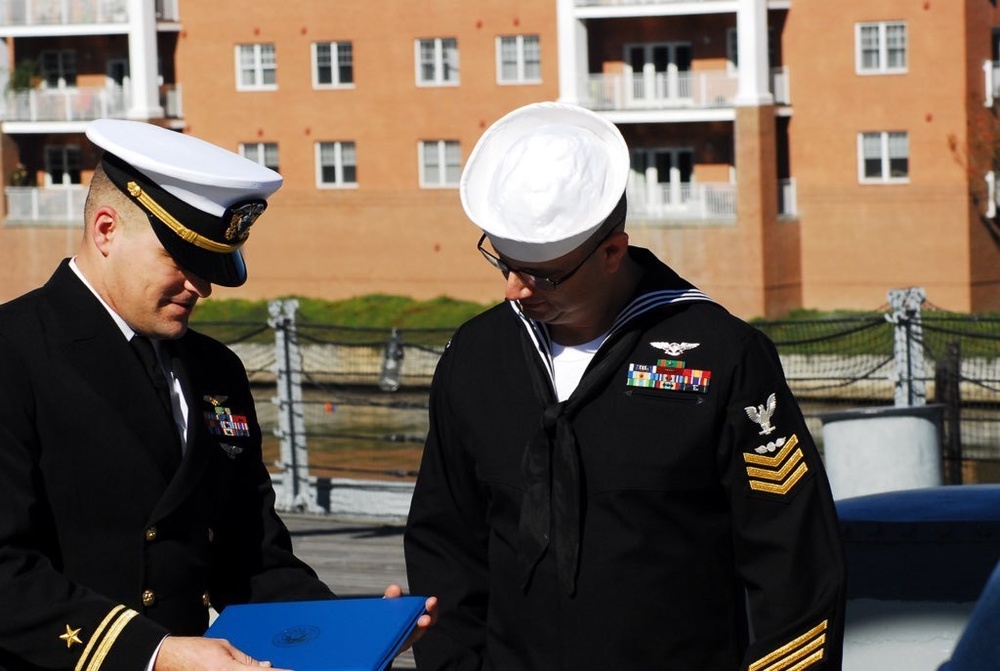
(352, 403)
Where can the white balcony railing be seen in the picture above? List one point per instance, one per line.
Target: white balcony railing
(62, 12)
(672, 90)
(172, 101)
(80, 104)
(682, 201)
(68, 104)
(618, 3)
(787, 198)
(45, 205)
(166, 10)
(16, 13)
(991, 75)
(780, 86)
(992, 198)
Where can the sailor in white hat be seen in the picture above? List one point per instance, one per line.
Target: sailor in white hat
(586, 449)
(543, 179)
(546, 184)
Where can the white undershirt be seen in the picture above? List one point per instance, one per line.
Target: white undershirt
(569, 362)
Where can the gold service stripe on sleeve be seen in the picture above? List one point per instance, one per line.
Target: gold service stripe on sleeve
(780, 474)
(783, 488)
(97, 635)
(108, 640)
(780, 659)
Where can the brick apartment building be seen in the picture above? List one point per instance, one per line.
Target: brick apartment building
(786, 153)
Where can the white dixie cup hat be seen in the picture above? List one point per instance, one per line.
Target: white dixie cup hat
(543, 178)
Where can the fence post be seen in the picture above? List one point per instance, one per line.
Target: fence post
(295, 492)
(392, 363)
(947, 392)
(911, 385)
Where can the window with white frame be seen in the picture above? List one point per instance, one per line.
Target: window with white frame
(884, 157)
(437, 61)
(519, 59)
(336, 164)
(58, 67)
(440, 163)
(881, 47)
(62, 165)
(261, 153)
(333, 64)
(256, 67)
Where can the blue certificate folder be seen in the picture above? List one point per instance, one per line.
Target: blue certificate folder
(363, 634)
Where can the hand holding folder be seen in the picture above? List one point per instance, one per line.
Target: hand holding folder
(362, 634)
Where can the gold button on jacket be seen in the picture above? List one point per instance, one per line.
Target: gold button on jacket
(148, 598)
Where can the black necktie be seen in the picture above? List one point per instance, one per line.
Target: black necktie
(168, 450)
(144, 349)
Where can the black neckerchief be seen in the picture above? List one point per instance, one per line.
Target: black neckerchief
(551, 503)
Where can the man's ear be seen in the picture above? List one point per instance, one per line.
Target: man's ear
(615, 249)
(104, 227)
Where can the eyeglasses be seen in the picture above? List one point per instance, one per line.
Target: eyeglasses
(535, 281)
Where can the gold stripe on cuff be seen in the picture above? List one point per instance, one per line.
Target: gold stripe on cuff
(120, 618)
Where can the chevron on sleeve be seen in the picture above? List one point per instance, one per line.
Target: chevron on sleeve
(776, 474)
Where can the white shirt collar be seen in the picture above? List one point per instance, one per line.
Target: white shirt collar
(127, 330)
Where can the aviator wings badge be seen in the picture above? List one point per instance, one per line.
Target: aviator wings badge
(674, 348)
(232, 451)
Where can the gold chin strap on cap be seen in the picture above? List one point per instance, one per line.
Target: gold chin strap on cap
(185, 233)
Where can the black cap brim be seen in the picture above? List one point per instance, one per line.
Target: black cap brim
(226, 270)
(195, 232)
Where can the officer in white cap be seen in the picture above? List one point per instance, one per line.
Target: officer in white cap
(200, 199)
(616, 474)
(133, 496)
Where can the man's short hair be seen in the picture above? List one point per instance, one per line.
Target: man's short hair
(102, 191)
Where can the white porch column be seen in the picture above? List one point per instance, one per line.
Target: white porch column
(142, 61)
(572, 49)
(751, 38)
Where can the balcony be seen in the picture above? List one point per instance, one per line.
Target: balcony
(788, 205)
(992, 196)
(80, 104)
(18, 15)
(704, 89)
(682, 201)
(68, 104)
(166, 10)
(676, 6)
(991, 75)
(23, 13)
(52, 206)
(621, 3)
(689, 201)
